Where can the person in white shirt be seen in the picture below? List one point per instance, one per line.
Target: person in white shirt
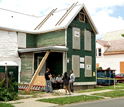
(59, 81)
(54, 83)
(72, 79)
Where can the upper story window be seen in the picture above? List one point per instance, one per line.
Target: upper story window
(99, 52)
(82, 17)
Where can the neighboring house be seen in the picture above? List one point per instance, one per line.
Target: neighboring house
(69, 34)
(110, 53)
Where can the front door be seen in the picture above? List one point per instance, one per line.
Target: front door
(43, 70)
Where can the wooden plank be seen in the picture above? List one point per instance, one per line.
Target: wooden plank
(40, 80)
(37, 71)
(67, 14)
(46, 18)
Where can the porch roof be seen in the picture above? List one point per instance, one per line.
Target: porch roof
(50, 48)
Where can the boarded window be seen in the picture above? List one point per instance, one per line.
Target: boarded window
(21, 40)
(88, 66)
(76, 65)
(87, 40)
(76, 38)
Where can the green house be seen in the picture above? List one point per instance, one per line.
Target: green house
(69, 35)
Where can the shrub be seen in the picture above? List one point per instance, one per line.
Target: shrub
(7, 94)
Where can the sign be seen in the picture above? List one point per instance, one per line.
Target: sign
(77, 34)
(88, 67)
(81, 59)
(81, 65)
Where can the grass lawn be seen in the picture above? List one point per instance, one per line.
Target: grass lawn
(112, 94)
(69, 100)
(6, 105)
(117, 87)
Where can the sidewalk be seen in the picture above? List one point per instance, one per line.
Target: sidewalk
(31, 102)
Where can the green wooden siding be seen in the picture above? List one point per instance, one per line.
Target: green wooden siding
(30, 41)
(51, 39)
(81, 53)
(26, 67)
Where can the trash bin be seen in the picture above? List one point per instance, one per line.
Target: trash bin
(105, 77)
(12, 71)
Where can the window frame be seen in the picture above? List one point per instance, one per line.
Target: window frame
(97, 52)
(83, 16)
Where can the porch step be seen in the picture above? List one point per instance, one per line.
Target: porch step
(34, 88)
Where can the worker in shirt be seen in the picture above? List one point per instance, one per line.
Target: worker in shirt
(72, 79)
(48, 82)
(59, 81)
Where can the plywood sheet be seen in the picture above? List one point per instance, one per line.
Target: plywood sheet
(40, 80)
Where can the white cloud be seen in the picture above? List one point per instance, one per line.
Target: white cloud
(99, 10)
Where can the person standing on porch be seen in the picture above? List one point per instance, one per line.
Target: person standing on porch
(48, 82)
(72, 79)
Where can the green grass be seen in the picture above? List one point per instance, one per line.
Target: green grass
(6, 105)
(112, 94)
(69, 100)
(117, 87)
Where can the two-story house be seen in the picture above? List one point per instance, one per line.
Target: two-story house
(110, 51)
(68, 34)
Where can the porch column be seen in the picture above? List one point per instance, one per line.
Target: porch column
(64, 62)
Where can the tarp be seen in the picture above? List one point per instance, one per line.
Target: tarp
(9, 48)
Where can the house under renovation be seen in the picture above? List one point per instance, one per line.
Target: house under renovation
(69, 35)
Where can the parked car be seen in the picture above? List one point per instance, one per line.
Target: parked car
(120, 78)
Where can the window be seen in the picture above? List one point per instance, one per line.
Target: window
(87, 40)
(76, 38)
(88, 66)
(82, 17)
(76, 65)
(99, 52)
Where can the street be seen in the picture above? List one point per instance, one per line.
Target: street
(113, 102)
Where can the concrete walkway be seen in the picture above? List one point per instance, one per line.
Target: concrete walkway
(31, 102)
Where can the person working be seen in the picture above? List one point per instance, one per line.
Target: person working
(48, 82)
(59, 81)
(72, 79)
(66, 79)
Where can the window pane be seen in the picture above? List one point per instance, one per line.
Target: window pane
(82, 17)
(99, 50)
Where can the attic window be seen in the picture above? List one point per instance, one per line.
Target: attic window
(82, 17)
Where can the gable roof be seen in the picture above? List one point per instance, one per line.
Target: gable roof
(15, 21)
(114, 47)
(115, 35)
(103, 43)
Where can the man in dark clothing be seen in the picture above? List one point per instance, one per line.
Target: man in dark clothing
(66, 79)
(48, 82)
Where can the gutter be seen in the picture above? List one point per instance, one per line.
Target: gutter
(33, 32)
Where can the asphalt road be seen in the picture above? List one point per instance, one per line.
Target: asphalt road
(113, 102)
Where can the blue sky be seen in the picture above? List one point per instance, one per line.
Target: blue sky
(108, 15)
